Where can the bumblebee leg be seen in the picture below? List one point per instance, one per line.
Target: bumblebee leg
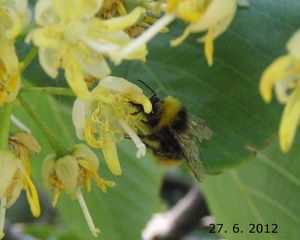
(136, 113)
(138, 107)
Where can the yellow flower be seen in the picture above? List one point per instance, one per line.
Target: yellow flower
(15, 177)
(108, 117)
(72, 172)
(210, 16)
(24, 145)
(284, 75)
(71, 37)
(9, 71)
(13, 16)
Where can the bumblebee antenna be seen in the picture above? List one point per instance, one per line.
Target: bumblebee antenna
(145, 84)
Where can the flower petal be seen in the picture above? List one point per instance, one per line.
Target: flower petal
(8, 56)
(93, 64)
(67, 171)
(217, 11)
(45, 13)
(293, 45)
(84, 152)
(129, 90)
(209, 47)
(277, 71)
(282, 89)
(289, 121)
(75, 77)
(46, 38)
(111, 156)
(118, 85)
(49, 60)
(10, 22)
(32, 196)
(80, 10)
(180, 39)
(28, 141)
(81, 110)
(13, 192)
(48, 170)
(122, 22)
(8, 168)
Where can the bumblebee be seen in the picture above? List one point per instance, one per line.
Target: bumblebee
(172, 133)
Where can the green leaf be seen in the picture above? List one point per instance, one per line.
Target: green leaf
(265, 190)
(49, 232)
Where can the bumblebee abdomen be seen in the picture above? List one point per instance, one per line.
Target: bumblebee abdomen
(167, 161)
(180, 122)
(169, 147)
(164, 145)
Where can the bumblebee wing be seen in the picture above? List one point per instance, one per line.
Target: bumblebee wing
(191, 154)
(199, 128)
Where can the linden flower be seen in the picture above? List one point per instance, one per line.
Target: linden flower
(284, 75)
(71, 37)
(70, 173)
(9, 71)
(13, 16)
(15, 177)
(210, 16)
(109, 117)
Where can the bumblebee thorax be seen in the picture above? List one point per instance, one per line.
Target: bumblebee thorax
(168, 110)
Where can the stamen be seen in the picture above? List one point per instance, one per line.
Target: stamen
(20, 124)
(101, 47)
(2, 216)
(95, 231)
(148, 35)
(135, 138)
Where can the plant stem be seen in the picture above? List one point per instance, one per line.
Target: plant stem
(29, 57)
(26, 30)
(148, 34)
(5, 112)
(52, 139)
(50, 90)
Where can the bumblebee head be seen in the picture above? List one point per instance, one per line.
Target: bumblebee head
(155, 101)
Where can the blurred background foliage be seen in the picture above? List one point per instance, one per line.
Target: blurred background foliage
(251, 180)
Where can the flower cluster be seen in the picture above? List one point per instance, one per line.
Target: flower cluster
(70, 36)
(15, 173)
(210, 16)
(70, 173)
(14, 16)
(79, 38)
(284, 75)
